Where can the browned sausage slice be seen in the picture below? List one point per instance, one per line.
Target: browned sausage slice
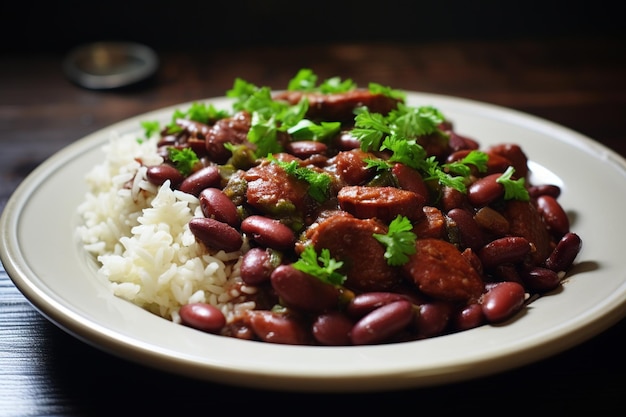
(340, 106)
(273, 191)
(441, 271)
(350, 240)
(432, 225)
(384, 203)
(525, 221)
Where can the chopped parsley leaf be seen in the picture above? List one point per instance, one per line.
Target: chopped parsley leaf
(399, 241)
(513, 189)
(323, 267)
(184, 159)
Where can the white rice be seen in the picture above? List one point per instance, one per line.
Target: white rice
(140, 236)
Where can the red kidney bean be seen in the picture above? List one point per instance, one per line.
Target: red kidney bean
(509, 249)
(553, 215)
(268, 232)
(452, 198)
(458, 142)
(485, 190)
(492, 221)
(540, 279)
(410, 179)
(167, 141)
(158, 174)
(197, 145)
(201, 179)
(333, 329)
(193, 127)
(304, 149)
(501, 301)
(515, 154)
(544, 189)
(345, 142)
(457, 155)
(302, 291)
(365, 303)
(202, 316)
(216, 205)
(497, 163)
(470, 234)
(469, 317)
(432, 319)
(382, 323)
(215, 234)
(350, 168)
(564, 253)
(257, 265)
(278, 328)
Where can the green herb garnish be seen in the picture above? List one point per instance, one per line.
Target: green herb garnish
(399, 241)
(323, 267)
(308, 130)
(476, 158)
(398, 132)
(513, 189)
(306, 81)
(184, 159)
(150, 128)
(376, 88)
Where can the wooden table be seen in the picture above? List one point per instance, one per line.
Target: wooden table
(579, 83)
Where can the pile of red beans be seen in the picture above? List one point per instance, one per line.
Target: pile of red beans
(479, 257)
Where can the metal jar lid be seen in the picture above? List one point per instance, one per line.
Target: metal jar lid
(110, 65)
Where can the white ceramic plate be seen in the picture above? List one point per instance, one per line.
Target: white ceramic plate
(45, 261)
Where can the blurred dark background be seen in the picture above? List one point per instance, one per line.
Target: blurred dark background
(57, 26)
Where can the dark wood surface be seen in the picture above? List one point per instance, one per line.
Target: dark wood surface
(577, 82)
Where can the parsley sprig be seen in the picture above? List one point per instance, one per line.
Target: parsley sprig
(306, 80)
(321, 266)
(307, 130)
(399, 241)
(269, 116)
(184, 159)
(198, 112)
(404, 122)
(150, 128)
(413, 155)
(397, 132)
(513, 189)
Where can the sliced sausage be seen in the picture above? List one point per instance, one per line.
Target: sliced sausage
(525, 221)
(340, 106)
(384, 203)
(273, 191)
(350, 240)
(441, 271)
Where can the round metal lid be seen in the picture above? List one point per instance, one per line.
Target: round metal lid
(109, 65)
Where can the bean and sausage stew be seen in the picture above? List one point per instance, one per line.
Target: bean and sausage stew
(368, 221)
